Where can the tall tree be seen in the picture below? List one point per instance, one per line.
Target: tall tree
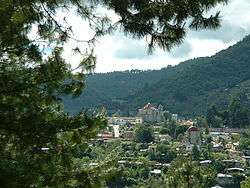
(144, 134)
(186, 173)
(238, 114)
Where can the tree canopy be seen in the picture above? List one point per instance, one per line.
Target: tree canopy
(144, 134)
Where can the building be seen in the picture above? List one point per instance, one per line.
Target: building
(127, 135)
(105, 135)
(175, 117)
(125, 120)
(224, 179)
(151, 114)
(217, 147)
(116, 131)
(193, 138)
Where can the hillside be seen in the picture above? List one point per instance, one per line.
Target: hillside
(106, 88)
(187, 89)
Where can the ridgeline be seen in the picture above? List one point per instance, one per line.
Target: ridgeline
(188, 89)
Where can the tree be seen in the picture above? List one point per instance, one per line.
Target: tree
(246, 183)
(201, 122)
(39, 141)
(144, 134)
(196, 153)
(175, 129)
(238, 114)
(213, 118)
(185, 173)
(244, 143)
(162, 153)
(238, 178)
(167, 116)
(164, 22)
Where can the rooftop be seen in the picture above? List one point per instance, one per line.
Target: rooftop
(149, 106)
(192, 129)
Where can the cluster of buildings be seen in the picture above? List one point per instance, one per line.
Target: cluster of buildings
(147, 114)
(122, 128)
(151, 114)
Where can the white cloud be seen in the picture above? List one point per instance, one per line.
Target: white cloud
(203, 47)
(118, 52)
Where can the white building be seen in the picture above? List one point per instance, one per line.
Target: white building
(125, 120)
(224, 179)
(151, 114)
(175, 117)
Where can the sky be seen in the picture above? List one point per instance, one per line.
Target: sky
(117, 52)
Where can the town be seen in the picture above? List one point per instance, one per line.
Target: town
(156, 142)
(125, 94)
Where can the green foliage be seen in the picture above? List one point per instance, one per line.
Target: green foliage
(196, 153)
(40, 144)
(39, 141)
(238, 178)
(201, 122)
(167, 116)
(162, 153)
(164, 22)
(153, 182)
(109, 89)
(246, 183)
(203, 83)
(185, 173)
(175, 129)
(244, 143)
(212, 118)
(144, 134)
(235, 116)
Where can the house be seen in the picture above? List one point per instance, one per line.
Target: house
(155, 172)
(105, 135)
(125, 120)
(217, 147)
(127, 135)
(116, 131)
(193, 138)
(235, 170)
(205, 162)
(224, 179)
(151, 114)
(231, 163)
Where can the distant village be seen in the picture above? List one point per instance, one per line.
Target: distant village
(221, 140)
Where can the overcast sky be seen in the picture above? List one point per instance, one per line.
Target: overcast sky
(117, 52)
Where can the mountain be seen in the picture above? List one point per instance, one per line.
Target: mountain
(187, 89)
(103, 89)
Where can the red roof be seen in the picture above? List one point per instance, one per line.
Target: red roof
(193, 128)
(148, 106)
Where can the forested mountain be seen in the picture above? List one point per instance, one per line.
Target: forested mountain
(110, 88)
(187, 89)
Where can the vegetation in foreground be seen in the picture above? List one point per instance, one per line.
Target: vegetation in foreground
(41, 145)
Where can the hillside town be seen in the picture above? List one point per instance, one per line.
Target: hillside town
(125, 94)
(219, 148)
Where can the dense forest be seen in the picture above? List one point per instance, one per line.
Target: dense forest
(188, 89)
(109, 88)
